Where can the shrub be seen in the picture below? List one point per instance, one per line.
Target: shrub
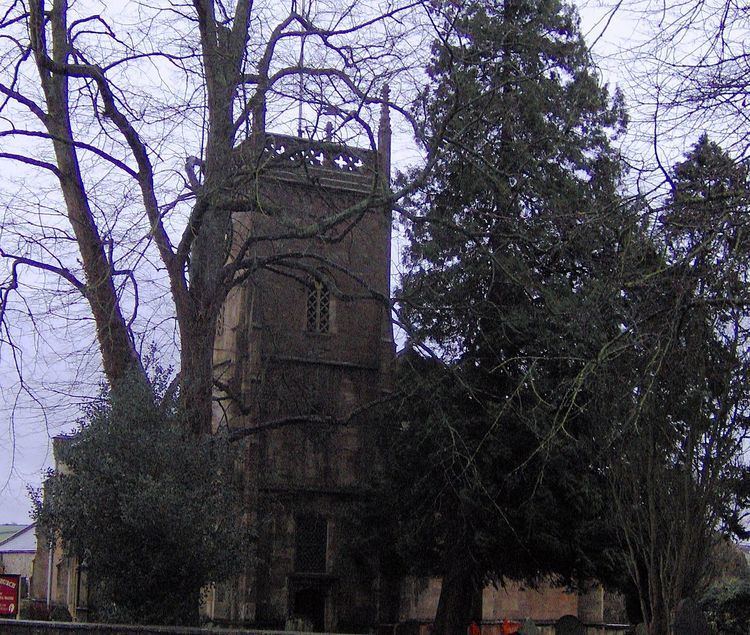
(727, 606)
(153, 511)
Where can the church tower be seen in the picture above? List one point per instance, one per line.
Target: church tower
(306, 340)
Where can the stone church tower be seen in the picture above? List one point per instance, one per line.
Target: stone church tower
(307, 342)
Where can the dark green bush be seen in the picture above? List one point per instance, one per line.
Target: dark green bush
(153, 511)
(727, 606)
(60, 614)
(29, 609)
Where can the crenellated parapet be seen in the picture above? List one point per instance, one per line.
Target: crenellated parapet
(314, 162)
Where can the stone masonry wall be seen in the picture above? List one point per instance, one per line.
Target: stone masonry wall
(29, 627)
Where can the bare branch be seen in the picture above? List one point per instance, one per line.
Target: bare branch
(13, 132)
(29, 161)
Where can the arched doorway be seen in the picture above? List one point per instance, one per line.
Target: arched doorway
(310, 603)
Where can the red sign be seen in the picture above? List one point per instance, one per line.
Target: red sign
(9, 586)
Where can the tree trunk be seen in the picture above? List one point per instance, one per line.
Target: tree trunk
(659, 624)
(119, 357)
(196, 374)
(460, 602)
(659, 618)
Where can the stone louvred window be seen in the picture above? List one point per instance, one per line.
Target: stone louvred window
(311, 543)
(318, 307)
(220, 321)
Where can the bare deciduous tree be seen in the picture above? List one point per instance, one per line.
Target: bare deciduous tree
(144, 126)
(684, 67)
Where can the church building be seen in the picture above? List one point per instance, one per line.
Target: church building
(307, 343)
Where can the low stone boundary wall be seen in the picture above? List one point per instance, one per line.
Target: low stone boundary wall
(31, 627)
(546, 627)
(591, 629)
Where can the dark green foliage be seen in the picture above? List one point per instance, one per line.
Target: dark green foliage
(513, 284)
(470, 488)
(704, 221)
(60, 614)
(514, 259)
(154, 512)
(727, 606)
(506, 225)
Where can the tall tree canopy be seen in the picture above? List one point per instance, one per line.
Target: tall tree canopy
(527, 169)
(676, 470)
(512, 284)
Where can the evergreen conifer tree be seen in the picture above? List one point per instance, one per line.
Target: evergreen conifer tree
(677, 478)
(512, 283)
